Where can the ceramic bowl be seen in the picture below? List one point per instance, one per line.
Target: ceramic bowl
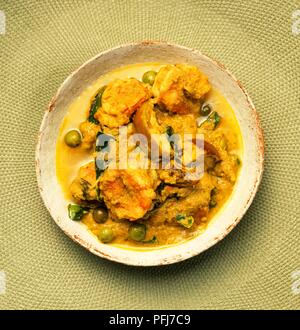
(221, 79)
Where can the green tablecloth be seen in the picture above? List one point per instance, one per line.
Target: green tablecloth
(252, 268)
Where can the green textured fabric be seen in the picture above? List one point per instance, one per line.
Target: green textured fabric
(253, 266)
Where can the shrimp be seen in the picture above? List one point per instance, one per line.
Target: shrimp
(120, 100)
(128, 194)
(180, 87)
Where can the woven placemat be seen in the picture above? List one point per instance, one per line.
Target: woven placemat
(41, 42)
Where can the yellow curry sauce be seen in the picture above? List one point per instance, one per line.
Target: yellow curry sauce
(167, 199)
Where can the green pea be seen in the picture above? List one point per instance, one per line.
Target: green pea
(100, 215)
(149, 77)
(205, 109)
(73, 138)
(137, 232)
(106, 235)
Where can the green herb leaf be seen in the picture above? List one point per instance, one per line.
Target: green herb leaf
(215, 118)
(96, 104)
(85, 186)
(106, 142)
(180, 217)
(169, 131)
(76, 212)
(99, 171)
(184, 220)
(151, 241)
(213, 200)
(94, 107)
(104, 164)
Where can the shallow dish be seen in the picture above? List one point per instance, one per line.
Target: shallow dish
(245, 188)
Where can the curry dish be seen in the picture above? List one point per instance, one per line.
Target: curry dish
(148, 206)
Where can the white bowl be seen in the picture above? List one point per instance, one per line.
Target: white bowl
(150, 51)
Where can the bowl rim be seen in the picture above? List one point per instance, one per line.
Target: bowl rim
(178, 257)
